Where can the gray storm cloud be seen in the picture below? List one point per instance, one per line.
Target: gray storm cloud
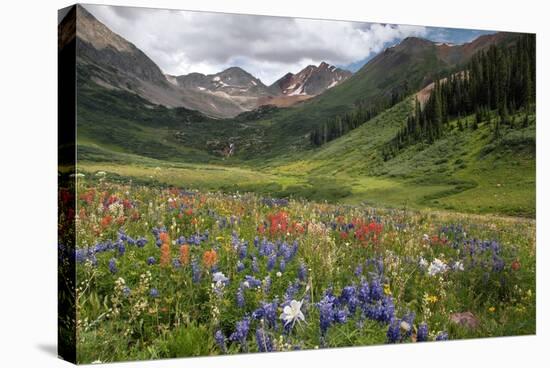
(181, 42)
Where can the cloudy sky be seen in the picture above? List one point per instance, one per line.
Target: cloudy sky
(181, 42)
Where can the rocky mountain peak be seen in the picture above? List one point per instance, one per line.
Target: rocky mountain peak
(312, 80)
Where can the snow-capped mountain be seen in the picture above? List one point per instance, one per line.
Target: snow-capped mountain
(312, 80)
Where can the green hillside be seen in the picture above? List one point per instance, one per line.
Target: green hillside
(464, 171)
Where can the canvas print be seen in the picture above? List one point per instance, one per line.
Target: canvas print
(235, 184)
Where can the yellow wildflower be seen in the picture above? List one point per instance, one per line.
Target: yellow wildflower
(431, 298)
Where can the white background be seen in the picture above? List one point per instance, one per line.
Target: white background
(28, 113)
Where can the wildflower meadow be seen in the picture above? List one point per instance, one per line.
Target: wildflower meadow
(166, 272)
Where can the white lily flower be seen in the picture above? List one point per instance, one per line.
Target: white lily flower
(292, 313)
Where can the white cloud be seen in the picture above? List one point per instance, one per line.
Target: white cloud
(181, 42)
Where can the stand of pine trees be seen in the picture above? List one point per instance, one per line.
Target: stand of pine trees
(363, 112)
(500, 79)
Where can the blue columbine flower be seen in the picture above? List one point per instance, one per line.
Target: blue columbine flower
(112, 266)
(264, 341)
(422, 333)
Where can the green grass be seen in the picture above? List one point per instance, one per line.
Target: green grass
(466, 171)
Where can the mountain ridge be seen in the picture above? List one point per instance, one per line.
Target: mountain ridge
(115, 63)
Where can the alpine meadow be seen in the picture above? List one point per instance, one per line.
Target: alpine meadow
(240, 183)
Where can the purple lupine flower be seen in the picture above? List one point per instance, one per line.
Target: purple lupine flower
(341, 315)
(348, 298)
(112, 266)
(290, 292)
(282, 265)
(363, 293)
(422, 333)
(376, 290)
(302, 272)
(381, 310)
(243, 250)
(267, 312)
(251, 282)
(241, 331)
(240, 297)
(267, 284)
(255, 267)
(154, 293)
(271, 262)
(141, 242)
(394, 331)
(326, 314)
(121, 248)
(379, 266)
(240, 266)
(442, 336)
(151, 261)
(264, 341)
(220, 340)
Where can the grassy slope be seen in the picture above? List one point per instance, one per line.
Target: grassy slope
(463, 172)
